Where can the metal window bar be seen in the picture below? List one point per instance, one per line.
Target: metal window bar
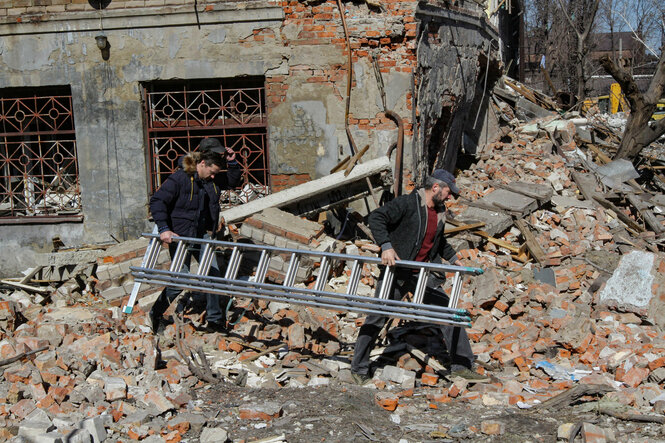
(289, 292)
(38, 162)
(180, 117)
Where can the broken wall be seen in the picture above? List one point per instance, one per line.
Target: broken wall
(457, 53)
(298, 48)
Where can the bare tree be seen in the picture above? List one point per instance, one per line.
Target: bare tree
(639, 133)
(581, 15)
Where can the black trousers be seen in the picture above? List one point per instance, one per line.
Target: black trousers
(455, 338)
(215, 304)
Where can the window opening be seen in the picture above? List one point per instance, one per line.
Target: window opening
(38, 164)
(180, 114)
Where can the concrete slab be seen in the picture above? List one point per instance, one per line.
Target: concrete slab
(540, 191)
(289, 222)
(511, 201)
(564, 203)
(495, 221)
(631, 282)
(318, 193)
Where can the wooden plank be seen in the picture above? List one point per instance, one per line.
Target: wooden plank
(426, 359)
(342, 164)
(26, 287)
(489, 238)
(355, 159)
(647, 214)
(531, 242)
(461, 228)
(568, 397)
(31, 274)
(582, 185)
(623, 217)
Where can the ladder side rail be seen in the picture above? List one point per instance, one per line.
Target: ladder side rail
(162, 276)
(332, 255)
(240, 290)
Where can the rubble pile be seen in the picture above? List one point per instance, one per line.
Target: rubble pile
(567, 319)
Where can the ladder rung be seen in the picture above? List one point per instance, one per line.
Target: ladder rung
(455, 291)
(322, 279)
(387, 285)
(419, 292)
(205, 260)
(354, 279)
(178, 257)
(232, 267)
(292, 270)
(262, 267)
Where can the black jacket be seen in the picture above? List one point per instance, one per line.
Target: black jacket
(187, 205)
(401, 224)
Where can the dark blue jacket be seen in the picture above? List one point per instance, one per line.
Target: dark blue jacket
(187, 205)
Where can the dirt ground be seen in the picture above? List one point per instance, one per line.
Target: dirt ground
(343, 412)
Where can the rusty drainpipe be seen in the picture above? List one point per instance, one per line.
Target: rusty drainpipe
(400, 148)
(352, 143)
(400, 133)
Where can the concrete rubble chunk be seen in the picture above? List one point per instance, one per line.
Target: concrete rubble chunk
(213, 435)
(495, 221)
(115, 388)
(510, 201)
(96, 426)
(401, 376)
(298, 198)
(79, 436)
(33, 429)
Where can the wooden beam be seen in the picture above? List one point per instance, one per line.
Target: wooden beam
(623, 217)
(461, 228)
(531, 242)
(26, 287)
(649, 217)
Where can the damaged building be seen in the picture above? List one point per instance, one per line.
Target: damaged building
(99, 99)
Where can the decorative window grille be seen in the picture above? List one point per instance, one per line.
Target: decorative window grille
(38, 166)
(181, 114)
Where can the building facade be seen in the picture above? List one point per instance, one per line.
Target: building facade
(99, 99)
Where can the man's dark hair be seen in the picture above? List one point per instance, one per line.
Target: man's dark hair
(211, 158)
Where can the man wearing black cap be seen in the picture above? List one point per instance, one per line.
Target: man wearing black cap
(411, 228)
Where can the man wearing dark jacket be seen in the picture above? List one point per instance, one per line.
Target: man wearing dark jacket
(411, 228)
(187, 205)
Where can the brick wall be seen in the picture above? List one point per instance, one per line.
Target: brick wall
(392, 38)
(280, 182)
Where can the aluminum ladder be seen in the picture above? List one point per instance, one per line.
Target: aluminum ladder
(289, 292)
